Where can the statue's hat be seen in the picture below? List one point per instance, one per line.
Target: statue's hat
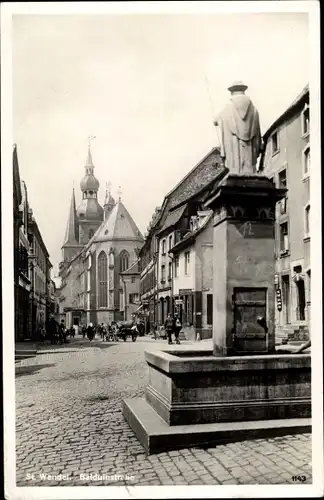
(237, 85)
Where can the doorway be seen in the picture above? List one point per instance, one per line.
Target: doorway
(301, 300)
(286, 297)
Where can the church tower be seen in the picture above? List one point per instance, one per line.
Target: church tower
(71, 244)
(109, 202)
(90, 213)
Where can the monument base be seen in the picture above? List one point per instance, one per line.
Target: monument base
(156, 436)
(195, 398)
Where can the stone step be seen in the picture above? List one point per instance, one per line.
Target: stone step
(156, 436)
(19, 357)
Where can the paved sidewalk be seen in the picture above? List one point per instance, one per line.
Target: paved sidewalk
(69, 421)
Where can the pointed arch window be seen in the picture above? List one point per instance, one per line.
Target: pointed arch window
(123, 260)
(103, 279)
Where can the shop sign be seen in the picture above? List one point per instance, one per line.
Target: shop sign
(279, 301)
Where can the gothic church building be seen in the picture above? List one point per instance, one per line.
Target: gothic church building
(99, 244)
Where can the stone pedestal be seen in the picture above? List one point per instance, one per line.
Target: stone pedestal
(244, 265)
(194, 398)
(242, 388)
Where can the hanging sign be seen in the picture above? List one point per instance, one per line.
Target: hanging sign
(279, 302)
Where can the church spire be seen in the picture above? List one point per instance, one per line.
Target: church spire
(109, 200)
(71, 234)
(89, 166)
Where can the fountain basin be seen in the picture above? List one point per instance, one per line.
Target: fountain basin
(194, 398)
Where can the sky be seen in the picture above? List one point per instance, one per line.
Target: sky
(138, 84)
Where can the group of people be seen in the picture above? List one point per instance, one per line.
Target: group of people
(55, 331)
(173, 325)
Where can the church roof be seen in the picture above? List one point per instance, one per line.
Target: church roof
(118, 226)
(133, 269)
(71, 227)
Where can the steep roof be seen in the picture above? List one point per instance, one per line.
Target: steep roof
(118, 226)
(16, 176)
(291, 109)
(190, 236)
(71, 227)
(192, 182)
(173, 217)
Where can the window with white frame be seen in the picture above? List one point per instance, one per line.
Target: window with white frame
(163, 273)
(307, 221)
(282, 184)
(306, 161)
(305, 120)
(170, 271)
(176, 266)
(187, 263)
(133, 298)
(275, 143)
(284, 238)
(170, 241)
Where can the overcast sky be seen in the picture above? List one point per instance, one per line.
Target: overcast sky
(137, 82)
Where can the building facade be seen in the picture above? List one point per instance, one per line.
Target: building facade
(21, 251)
(169, 225)
(286, 159)
(40, 272)
(130, 304)
(99, 245)
(193, 274)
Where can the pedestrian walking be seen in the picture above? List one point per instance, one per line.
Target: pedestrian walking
(177, 328)
(84, 331)
(62, 332)
(169, 326)
(52, 329)
(90, 332)
(156, 331)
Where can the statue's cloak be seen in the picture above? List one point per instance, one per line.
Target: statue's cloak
(240, 139)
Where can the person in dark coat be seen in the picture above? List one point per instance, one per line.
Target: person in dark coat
(52, 329)
(90, 332)
(177, 328)
(169, 326)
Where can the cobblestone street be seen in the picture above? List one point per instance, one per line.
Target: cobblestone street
(69, 421)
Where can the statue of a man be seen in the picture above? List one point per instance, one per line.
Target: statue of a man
(240, 140)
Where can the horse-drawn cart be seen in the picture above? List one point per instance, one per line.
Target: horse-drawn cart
(126, 329)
